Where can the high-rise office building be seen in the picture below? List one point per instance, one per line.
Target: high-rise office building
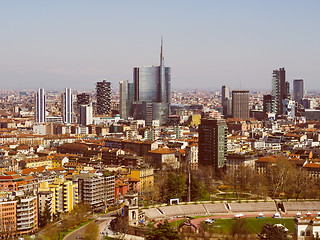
(85, 115)
(212, 143)
(298, 90)
(40, 106)
(280, 89)
(83, 99)
(152, 84)
(268, 105)
(240, 104)
(226, 101)
(67, 106)
(103, 97)
(126, 98)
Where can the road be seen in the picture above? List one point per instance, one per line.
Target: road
(80, 232)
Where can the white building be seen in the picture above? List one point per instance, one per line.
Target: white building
(67, 106)
(307, 228)
(40, 106)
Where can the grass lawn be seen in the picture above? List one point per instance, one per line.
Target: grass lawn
(255, 225)
(224, 225)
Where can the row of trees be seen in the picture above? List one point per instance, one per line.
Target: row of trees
(173, 184)
(66, 221)
(282, 179)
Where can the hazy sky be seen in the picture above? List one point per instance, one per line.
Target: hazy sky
(58, 44)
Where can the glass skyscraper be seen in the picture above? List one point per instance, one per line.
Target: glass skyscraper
(152, 84)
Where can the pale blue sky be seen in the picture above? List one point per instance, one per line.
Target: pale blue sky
(58, 44)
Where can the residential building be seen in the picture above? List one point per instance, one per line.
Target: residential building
(146, 177)
(64, 194)
(8, 217)
(94, 190)
(240, 104)
(103, 97)
(268, 105)
(163, 157)
(280, 89)
(213, 143)
(83, 99)
(27, 214)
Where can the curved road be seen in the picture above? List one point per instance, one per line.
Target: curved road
(101, 221)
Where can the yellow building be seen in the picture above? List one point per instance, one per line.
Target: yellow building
(37, 162)
(146, 177)
(58, 160)
(195, 119)
(64, 194)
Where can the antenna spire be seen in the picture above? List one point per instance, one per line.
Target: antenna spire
(161, 53)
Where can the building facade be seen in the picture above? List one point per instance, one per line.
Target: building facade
(104, 92)
(240, 104)
(213, 143)
(152, 92)
(298, 90)
(280, 89)
(40, 106)
(67, 106)
(126, 98)
(226, 101)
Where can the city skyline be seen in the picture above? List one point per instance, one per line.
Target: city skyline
(79, 43)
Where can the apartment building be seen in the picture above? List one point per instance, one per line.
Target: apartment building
(146, 177)
(97, 191)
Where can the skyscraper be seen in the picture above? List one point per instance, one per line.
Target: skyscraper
(213, 143)
(268, 105)
(126, 98)
(298, 90)
(103, 97)
(83, 99)
(85, 115)
(40, 106)
(240, 104)
(152, 84)
(280, 89)
(226, 100)
(67, 106)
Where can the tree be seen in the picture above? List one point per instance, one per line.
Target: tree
(45, 216)
(91, 231)
(240, 228)
(163, 232)
(281, 176)
(198, 189)
(175, 186)
(273, 232)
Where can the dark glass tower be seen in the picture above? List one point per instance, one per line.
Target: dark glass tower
(298, 90)
(213, 143)
(152, 84)
(103, 97)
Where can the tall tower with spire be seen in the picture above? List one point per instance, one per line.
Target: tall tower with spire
(152, 95)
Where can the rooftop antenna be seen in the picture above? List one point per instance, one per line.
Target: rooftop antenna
(161, 52)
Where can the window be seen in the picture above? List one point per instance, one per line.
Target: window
(308, 233)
